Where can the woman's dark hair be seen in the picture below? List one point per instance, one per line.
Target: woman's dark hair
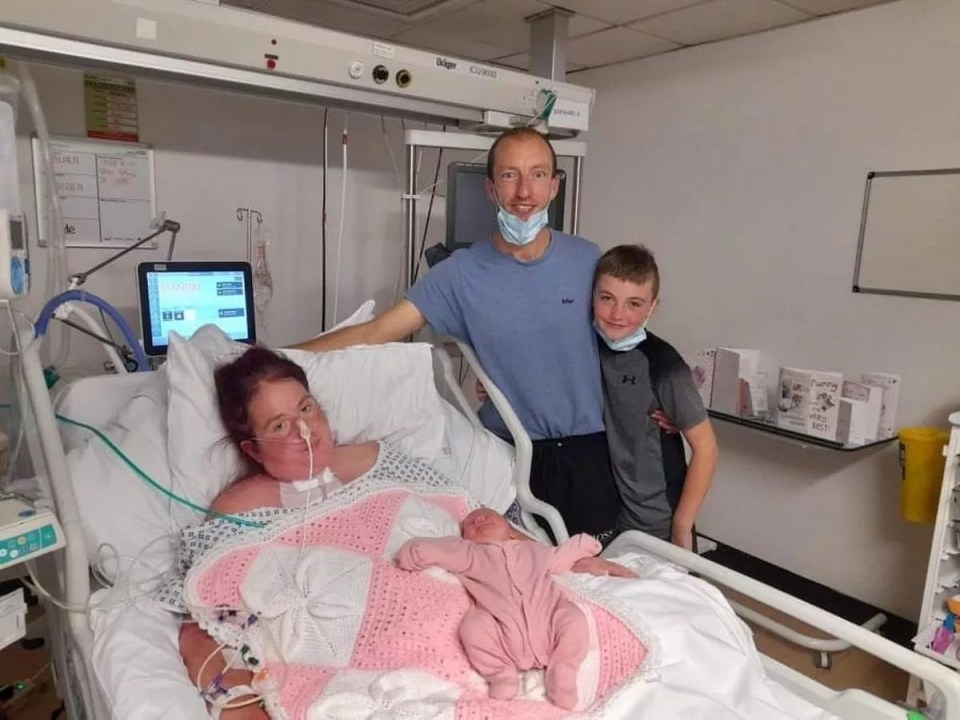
(237, 381)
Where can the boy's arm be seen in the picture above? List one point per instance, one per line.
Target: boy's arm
(680, 398)
(703, 463)
(400, 321)
(450, 553)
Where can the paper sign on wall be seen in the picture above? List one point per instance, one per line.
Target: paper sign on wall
(106, 190)
(110, 106)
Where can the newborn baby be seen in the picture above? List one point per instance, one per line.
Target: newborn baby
(521, 620)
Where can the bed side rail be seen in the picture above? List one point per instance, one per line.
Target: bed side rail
(529, 504)
(945, 680)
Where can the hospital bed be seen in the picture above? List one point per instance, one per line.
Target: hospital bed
(121, 659)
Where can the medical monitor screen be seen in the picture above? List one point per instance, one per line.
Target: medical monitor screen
(184, 296)
(471, 215)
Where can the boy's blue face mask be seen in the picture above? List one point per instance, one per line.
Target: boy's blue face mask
(520, 232)
(624, 344)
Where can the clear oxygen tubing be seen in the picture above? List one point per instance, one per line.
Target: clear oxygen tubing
(56, 280)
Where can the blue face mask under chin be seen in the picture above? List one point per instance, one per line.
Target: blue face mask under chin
(625, 343)
(521, 232)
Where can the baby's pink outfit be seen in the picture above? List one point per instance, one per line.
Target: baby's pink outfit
(521, 620)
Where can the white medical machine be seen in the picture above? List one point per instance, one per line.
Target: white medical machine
(26, 532)
(13, 617)
(14, 256)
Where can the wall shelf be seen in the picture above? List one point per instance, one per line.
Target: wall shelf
(796, 437)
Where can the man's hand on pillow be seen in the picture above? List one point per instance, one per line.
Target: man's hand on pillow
(481, 392)
(600, 566)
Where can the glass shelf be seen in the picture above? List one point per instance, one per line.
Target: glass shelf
(797, 437)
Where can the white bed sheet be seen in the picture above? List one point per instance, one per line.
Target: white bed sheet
(708, 667)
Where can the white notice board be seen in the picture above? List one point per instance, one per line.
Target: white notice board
(910, 234)
(107, 192)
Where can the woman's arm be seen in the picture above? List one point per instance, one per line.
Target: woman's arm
(703, 462)
(195, 647)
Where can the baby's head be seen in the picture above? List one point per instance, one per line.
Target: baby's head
(486, 525)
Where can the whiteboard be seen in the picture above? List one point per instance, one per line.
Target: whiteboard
(107, 192)
(910, 234)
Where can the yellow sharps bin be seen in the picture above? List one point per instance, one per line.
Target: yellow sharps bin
(921, 463)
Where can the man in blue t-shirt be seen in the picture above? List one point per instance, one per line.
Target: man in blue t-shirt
(521, 299)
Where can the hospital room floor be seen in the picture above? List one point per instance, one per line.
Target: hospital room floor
(17, 664)
(851, 669)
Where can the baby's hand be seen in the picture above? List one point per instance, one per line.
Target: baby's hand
(600, 566)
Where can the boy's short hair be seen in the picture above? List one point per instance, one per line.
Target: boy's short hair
(633, 263)
(519, 132)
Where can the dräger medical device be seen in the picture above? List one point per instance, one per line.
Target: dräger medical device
(183, 296)
(14, 256)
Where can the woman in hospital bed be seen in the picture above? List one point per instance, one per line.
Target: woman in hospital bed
(268, 412)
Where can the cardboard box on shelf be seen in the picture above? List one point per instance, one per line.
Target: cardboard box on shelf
(890, 384)
(736, 365)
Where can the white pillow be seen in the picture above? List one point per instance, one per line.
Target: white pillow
(477, 460)
(362, 314)
(381, 392)
(117, 507)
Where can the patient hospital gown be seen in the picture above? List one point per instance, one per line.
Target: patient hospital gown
(392, 465)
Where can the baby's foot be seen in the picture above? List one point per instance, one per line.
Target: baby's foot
(504, 685)
(561, 682)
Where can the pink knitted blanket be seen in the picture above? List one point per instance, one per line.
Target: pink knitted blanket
(332, 629)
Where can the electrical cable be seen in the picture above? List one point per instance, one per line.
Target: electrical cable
(323, 227)
(426, 224)
(18, 348)
(398, 280)
(16, 418)
(343, 212)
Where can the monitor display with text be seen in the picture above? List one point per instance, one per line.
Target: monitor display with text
(184, 296)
